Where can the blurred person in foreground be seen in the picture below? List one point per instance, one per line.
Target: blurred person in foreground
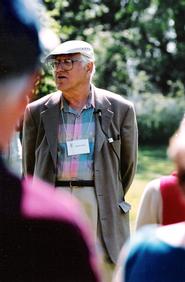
(42, 232)
(157, 253)
(161, 202)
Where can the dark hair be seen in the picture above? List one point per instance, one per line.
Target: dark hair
(20, 48)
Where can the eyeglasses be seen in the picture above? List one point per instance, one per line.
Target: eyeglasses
(65, 64)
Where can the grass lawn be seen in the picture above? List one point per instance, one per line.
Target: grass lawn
(152, 163)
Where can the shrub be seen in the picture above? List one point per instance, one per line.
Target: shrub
(158, 117)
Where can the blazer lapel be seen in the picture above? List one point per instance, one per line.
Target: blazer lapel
(103, 118)
(50, 119)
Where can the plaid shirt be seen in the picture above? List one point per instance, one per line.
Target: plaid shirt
(74, 125)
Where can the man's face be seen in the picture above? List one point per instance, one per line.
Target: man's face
(72, 77)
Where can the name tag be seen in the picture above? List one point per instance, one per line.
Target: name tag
(78, 147)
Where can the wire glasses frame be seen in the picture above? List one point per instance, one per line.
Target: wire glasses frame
(65, 64)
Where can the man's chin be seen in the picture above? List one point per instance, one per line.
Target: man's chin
(62, 87)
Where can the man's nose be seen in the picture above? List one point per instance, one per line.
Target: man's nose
(60, 66)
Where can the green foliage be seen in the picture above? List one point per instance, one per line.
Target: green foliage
(160, 44)
(149, 32)
(111, 66)
(158, 117)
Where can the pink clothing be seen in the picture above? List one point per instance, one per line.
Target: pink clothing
(44, 235)
(45, 202)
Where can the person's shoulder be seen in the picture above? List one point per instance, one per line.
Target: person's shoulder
(176, 232)
(153, 185)
(151, 194)
(172, 234)
(154, 235)
(43, 100)
(143, 239)
(113, 97)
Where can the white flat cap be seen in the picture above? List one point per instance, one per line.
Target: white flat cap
(73, 46)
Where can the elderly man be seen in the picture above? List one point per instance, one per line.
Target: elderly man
(84, 139)
(42, 232)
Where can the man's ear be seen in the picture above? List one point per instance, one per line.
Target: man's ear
(89, 67)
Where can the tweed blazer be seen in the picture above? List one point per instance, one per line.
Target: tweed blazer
(115, 156)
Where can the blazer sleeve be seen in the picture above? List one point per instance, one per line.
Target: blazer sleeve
(29, 142)
(129, 147)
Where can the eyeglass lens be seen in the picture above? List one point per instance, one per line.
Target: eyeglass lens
(66, 64)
